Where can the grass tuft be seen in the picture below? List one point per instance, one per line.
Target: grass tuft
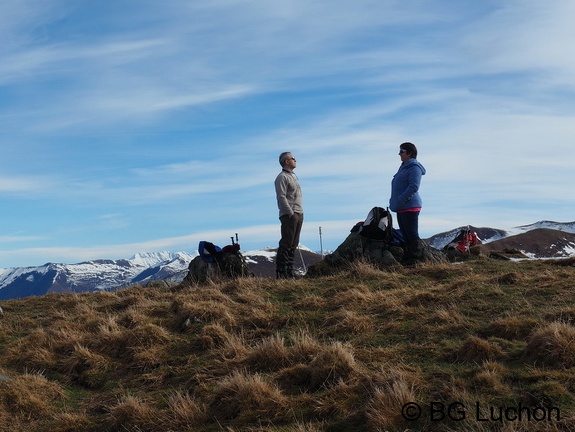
(476, 350)
(553, 345)
(186, 410)
(134, 413)
(247, 397)
(86, 367)
(29, 396)
(391, 389)
(334, 363)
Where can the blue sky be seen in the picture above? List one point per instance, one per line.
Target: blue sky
(138, 125)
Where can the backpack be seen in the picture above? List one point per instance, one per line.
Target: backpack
(378, 225)
(209, 252)
(397, 238)
(463, 242)
(469, 239)
(229, 260)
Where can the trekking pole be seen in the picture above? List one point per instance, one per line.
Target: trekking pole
(302, 262)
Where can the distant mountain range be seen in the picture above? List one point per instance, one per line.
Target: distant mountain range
(143, 268)
(98, 275)
(262, 262)
(544, 239)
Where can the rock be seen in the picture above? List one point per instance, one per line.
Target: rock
(430, 254)
(228, 266)
(200, 271)
(378, 252)
(357, 247)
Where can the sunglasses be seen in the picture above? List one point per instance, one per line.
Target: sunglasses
(402, 151)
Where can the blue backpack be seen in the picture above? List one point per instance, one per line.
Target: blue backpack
(209, 252)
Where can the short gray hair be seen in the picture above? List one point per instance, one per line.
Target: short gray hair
(283, 157)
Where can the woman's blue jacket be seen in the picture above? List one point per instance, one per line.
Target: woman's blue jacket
(405, 186)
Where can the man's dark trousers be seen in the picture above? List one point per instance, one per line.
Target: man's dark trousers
(290, 232)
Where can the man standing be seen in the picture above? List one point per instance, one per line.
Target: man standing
(289, 197)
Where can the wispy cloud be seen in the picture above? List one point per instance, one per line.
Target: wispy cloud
(25, 185)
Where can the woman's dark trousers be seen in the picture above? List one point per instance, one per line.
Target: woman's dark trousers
(409, 225)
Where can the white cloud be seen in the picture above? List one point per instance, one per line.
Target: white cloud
(525, 36)
(24, 184)
(182, 108)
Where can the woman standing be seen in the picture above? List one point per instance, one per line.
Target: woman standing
(406, 202)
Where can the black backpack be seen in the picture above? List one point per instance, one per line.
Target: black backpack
(228, 259)
(378, 225)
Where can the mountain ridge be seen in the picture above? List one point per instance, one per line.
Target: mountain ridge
(489, 235)
(543, 239)
(94, 275)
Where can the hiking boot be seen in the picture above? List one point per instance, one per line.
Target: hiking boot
(411, 263)
(281, 275)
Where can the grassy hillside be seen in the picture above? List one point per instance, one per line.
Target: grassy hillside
(480, 346)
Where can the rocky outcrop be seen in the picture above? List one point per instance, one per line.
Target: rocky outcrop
(227, 266)
(378, 252)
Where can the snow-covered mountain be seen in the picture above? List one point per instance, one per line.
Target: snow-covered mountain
(102, 275)
(535, 240)
(536, 243)
(488, 235)
(559, 226)
(485, 235)
(95, 275)
(262, 262)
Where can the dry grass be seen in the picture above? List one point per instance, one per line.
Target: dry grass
(269, 354)
(86, 367)
(185, 409)
(28, 399)
(476, 350)
(511, 328)
(215, 336)
(334, 363)
(246, 398)
(134, 413)
(344, 321)
(553, 345)
(490, 379)
(340, 352)
(393, 388)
